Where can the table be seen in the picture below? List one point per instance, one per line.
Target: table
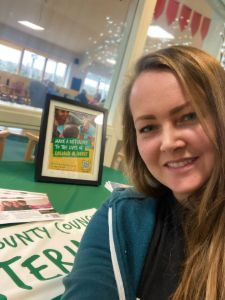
(20, 115)
(65, 198)
(36, 256)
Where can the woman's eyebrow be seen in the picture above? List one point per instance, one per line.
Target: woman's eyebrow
(173, 111)
(179, 108)
(144, 117)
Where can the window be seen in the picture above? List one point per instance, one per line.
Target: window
(9, 58)
(56, 72)
(50, 70)
(95, 84)
(32, 65)
(70, 46)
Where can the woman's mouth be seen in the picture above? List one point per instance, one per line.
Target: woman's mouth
(180, 163)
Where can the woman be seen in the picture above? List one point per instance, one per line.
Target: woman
(165, 239)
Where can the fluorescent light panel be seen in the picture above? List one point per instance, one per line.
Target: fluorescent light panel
(157, 32)
(111, 61)
(31, 25)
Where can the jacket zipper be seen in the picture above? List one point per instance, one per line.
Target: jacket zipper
(116, 268)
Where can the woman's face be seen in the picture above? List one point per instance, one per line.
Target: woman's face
(170, 138)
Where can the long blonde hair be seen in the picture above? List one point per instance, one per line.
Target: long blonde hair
(203, 82)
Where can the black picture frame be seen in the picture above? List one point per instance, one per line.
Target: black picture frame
(71, 142)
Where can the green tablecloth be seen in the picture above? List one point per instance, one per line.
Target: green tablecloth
(29, 247)
(65, 198)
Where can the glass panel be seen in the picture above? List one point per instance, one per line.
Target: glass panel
(67, 46)
(94, 84)
(90, 83)
(197, 23)
(50, 70)
(9, 58)
(55, 72)
(60, 74)
(32, 65)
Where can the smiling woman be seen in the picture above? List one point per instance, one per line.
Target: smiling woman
(172, 144)
(171, 140)
(164, 238)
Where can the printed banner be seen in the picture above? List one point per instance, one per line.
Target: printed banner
(35, 257)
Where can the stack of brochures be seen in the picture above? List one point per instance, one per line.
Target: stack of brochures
(111, 185)
(18, 206)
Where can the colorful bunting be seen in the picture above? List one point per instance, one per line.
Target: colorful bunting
(159, 8)
(184, 16)
(205, 27)
(171, 11)
(195, 22)
(172, 7)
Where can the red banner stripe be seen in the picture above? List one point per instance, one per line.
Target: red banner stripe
(171, 11)
(184, 16)
(195, 22)
(205, 27)
(159, 8)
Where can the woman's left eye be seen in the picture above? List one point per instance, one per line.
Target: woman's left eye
(192, 116)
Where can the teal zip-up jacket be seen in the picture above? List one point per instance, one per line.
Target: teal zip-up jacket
(111, 255)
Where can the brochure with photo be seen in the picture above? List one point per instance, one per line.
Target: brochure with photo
(18, 206)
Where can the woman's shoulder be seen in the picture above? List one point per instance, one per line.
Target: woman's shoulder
(129, 209)
(124, 196)
(128, 203)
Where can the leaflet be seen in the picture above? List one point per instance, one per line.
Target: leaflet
(18, 206)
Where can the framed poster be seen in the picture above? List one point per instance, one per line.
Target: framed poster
(71, 143)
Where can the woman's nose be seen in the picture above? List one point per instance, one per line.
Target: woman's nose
(171, 139)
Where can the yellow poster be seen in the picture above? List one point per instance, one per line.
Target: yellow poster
(72, 144)
(71, 154)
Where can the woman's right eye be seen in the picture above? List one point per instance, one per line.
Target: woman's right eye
(148, 128)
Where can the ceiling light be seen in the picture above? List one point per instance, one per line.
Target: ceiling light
(31, 25)
(111, 61)
(157, 32)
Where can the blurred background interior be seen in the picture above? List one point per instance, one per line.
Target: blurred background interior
(66, 46)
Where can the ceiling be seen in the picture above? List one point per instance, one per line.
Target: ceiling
(74, 24)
